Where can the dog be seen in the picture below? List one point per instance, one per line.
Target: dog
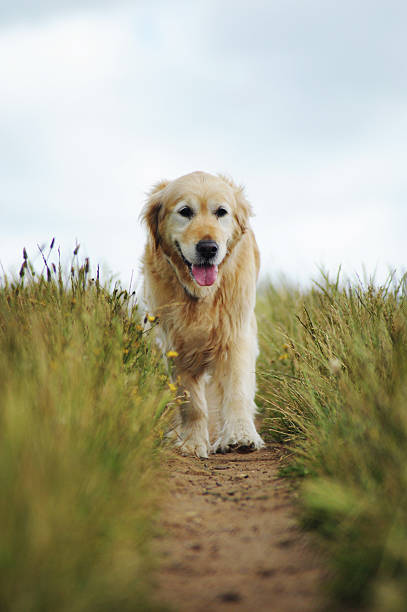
(200, 269)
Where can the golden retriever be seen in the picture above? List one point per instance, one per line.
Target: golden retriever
(200, 269)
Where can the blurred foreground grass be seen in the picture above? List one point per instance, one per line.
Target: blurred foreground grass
(81, 394)
(82, 409)
(333, 380)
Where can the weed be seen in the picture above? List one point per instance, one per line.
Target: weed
(333, 380)
(81, 408)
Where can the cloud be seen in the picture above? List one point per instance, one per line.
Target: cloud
(28, 12)
(304, 103)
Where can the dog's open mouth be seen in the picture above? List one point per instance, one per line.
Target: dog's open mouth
(205, 274)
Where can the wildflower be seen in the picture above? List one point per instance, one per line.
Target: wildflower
(283, 357)
(23, 267)
(151, 318)
(286, 347)
(172, 387)
(172, 354)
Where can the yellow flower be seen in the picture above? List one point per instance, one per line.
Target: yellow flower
(286, 347)
(172, 354)
(151, 318)
(172, 387)
(282, 357)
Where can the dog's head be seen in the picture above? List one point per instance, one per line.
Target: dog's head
(196, 220)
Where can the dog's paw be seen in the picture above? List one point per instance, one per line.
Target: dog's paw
(240, 436)
(194, 443)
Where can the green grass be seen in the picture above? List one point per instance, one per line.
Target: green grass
(83, 405)
(82, 394)
(333, 383)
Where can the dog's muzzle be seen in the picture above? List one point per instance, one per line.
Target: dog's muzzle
(204, 272)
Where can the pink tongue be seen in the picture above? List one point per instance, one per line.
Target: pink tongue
(205, 275)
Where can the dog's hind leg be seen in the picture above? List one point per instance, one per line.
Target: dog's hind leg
(214, 395)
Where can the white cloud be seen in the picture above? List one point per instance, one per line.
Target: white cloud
(96, 106)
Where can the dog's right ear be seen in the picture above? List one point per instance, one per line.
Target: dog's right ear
(150, 212)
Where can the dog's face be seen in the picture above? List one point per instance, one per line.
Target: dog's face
(196, 220)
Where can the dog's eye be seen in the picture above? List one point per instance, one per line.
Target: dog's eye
(186, 212)
(221, 212)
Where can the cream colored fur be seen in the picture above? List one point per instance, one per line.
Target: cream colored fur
(212, 328)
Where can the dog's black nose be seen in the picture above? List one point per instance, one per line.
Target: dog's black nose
(207, 248)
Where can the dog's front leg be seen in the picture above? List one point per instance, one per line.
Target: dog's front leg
(192, 433)
(235, 379)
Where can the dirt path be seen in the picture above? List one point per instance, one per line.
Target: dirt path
(231, 541)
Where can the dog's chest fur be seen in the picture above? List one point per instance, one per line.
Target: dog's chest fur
(201, 330)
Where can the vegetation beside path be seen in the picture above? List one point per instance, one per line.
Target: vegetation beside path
(333, 381)
(82, 392)
(83, 402)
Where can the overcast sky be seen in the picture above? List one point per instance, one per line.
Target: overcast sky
(302, 101)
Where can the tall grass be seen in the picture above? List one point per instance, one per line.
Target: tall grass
(333, 379)
(81, 397)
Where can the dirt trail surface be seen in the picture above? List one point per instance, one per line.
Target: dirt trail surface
(230, 538)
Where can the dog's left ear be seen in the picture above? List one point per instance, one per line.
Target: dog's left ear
(149, 214)
(244, 209)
